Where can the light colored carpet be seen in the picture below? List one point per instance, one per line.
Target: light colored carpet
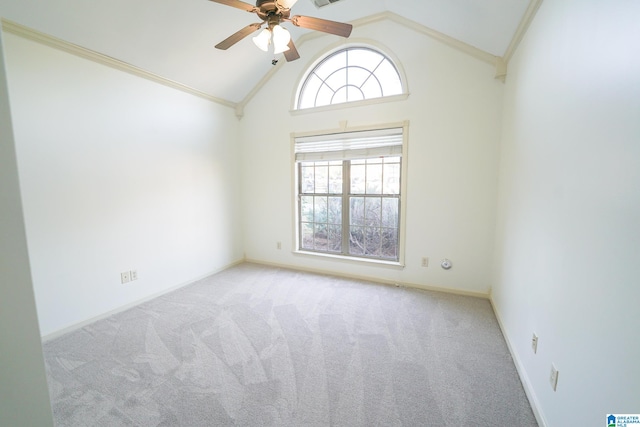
(261, 346)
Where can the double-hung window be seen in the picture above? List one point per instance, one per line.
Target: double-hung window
(349, 193)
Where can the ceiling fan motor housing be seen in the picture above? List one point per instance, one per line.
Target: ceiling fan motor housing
(269, 8)
(273, 12)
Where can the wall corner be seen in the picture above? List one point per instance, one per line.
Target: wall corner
(501, 69)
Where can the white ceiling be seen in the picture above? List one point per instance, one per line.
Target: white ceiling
(175, 39)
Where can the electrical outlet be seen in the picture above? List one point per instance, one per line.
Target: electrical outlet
(278, 245)
(125, 277)
(553, 378)
(425, 261)
(534, 343)
(133, 274)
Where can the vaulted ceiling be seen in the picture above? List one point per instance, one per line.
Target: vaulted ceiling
(175, 39)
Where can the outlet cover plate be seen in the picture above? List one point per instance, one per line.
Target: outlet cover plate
(125, 277)
(553, 377)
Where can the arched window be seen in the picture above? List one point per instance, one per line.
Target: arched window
(351, 74)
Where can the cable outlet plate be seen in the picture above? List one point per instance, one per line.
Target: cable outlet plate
(125, 277)
(534, 343)
(128, 276)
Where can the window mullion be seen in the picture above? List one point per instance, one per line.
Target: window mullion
(346, 55)
(299, 164)
(346, 206)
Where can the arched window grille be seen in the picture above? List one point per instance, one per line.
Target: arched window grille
(351, 74)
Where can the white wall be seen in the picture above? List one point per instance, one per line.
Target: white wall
(453, 110)
(568, 241)
(24, 396)
(117, 173)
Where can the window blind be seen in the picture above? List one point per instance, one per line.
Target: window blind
(349, 145)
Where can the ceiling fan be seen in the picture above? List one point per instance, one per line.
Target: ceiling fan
(273, 13)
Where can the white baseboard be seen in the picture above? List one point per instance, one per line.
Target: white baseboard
(120, 309)
(524, 378)
(372, 279)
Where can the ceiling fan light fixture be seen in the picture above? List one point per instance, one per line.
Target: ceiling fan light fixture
(263, 40)
(272, 13)
(281, 38)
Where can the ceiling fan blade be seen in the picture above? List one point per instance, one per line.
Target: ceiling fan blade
(237, 4)
(324, 25)
(235, 38)
(286, 4)
(291, 54)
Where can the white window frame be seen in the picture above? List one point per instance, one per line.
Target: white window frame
(355, 43)
(403, 194)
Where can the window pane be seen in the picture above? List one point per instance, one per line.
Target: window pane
(374, 179)
(354, 94)
(320, 237)
(372, 241)
(356, 240)
(306, 209)
(307, 235)
(357, 211)
(335, 210)
(365, 58)
(335, 239)
(372, 88)
(320, 209)
(389, 243)
(309, 91)
(340, 96)
(332, 63)
(388, 76)
(356, 76)
(337, 79)
(335, 178)
(391, 183)
(322, 179)
(358, 181)
(373, 211)
(390, 212)
(324, 96)
(308, 178)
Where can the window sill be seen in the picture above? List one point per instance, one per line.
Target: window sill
(356, 260)
(343, 105)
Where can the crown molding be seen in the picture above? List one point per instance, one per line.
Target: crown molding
(378, 17)
(449, 41)
(529, 14)
(500, 63)
(56, 43)
(501, 70)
